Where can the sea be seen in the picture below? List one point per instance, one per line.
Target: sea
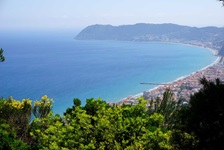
(55, 64)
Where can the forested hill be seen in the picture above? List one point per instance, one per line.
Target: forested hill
(212, 37)
(221, 52)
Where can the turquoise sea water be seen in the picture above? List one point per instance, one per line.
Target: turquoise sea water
(64, 68)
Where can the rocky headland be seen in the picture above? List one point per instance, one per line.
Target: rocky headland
(210, 37)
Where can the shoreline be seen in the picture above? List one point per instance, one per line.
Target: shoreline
(132, 98)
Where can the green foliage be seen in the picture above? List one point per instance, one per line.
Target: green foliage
(2, 58)
(170, 108)
(96, 125)
(40, 126)
(52, 133)
(204, 115)
(8, 139)
(92, 106)
(166, 106)
(100, 126)
(42, 107)
(183, 141)
(76, 103)
(17, 114)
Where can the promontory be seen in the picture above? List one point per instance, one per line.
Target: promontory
(211, 37)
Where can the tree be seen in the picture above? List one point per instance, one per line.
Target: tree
(76, 103)
(17, 114)
(167, 106)
(204, 116)
(8, 139)
(43, 107)
(2, 58)
(100, 126)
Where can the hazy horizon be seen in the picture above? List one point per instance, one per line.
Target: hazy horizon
(76, 15)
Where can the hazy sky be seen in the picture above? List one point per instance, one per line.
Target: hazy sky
(77, 14)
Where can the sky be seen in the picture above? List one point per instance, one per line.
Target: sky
(77, 14)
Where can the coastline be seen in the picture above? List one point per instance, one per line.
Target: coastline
(158, 90)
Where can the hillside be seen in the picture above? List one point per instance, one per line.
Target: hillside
(211, 37)
(221, 52)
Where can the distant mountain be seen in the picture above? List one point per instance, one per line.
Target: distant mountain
(212, 37)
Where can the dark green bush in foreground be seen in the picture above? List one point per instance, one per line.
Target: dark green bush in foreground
(205, 115)
(8, 139)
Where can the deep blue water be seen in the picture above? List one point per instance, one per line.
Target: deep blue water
(64, 68)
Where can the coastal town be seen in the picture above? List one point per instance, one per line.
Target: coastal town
(206, 37)
(184, 87)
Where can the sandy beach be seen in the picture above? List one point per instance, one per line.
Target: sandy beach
(187, 85)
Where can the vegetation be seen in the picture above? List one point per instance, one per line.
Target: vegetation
(164, 124)
(2, 58)
(204, 116)
(16, 115)
(168, 107)
(105, 127)
(8, 139)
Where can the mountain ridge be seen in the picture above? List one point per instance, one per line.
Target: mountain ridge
(210, 36)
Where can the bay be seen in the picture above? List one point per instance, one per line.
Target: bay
(55, 64)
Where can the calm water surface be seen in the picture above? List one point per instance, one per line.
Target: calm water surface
(64, 68)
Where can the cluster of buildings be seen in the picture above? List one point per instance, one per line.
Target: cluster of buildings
(185, 87)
